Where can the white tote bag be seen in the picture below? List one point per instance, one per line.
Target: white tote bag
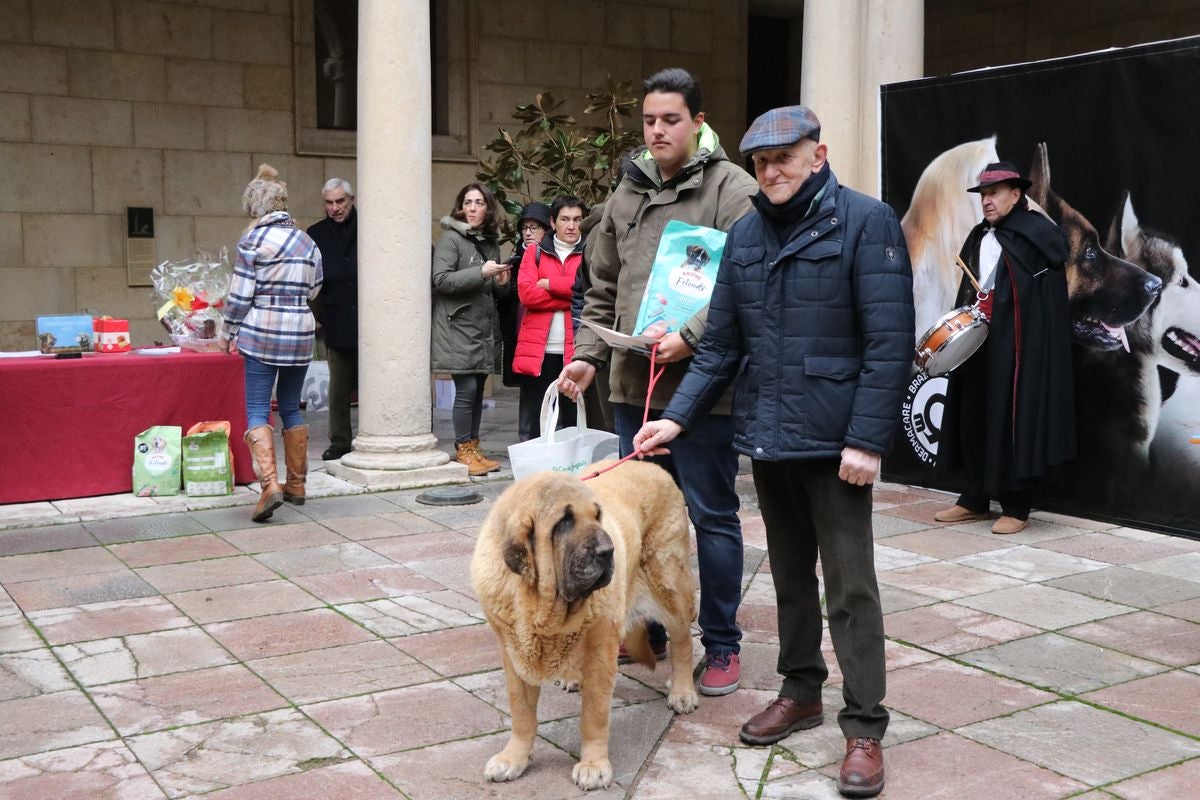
(568, 450)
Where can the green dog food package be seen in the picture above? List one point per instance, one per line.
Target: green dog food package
(156, 459)
(207, 466)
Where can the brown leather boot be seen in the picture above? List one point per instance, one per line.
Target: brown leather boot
(295, 456)
(861, 774)
(492, 466)
(261, 441)
(465, 454)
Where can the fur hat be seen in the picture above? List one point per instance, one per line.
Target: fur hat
(266, 193)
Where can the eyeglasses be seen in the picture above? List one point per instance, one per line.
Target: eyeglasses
(534, 228)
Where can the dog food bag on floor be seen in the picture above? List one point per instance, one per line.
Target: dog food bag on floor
(156, 463)
(207, 466)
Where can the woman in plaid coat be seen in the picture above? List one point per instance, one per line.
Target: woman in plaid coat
(278, 272)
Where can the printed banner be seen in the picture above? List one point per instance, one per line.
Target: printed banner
(1109, 141)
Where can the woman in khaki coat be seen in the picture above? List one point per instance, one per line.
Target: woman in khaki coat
(467, 274)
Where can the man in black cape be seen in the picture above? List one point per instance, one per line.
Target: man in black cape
(1009, 417)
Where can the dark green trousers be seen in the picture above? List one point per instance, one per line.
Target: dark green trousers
(809, 512)
(343, 381)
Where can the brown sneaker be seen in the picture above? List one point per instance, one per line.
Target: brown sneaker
(959, 514)
(782, 717)
(862, 768)
(1007, 524)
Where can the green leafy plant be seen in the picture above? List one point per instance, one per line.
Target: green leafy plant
(552, 154)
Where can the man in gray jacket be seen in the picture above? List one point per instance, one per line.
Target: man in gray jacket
(812, 321)
(681, 174)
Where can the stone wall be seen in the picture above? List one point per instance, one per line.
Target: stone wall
(112, 103)
(106, 104)
(572, 46)
(172, 104)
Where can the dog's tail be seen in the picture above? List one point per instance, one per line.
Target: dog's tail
(637, 645)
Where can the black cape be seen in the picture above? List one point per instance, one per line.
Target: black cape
(1023, 444)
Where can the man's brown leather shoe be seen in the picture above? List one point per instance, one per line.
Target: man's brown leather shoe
(1006, 525)
(959, 514)
(783, 716)
(862, 768)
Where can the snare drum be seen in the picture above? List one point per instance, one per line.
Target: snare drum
(951, 340)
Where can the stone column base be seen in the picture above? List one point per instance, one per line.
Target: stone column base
(397, 462)
(376, 479)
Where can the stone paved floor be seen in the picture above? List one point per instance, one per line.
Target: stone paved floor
(170, 648)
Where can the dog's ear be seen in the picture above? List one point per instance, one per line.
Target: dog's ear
(1115, 242)
(1039, 175)
(520, 548)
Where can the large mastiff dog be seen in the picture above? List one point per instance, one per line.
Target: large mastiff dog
(566, 569)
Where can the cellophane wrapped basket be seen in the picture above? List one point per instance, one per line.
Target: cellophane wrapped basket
(190, 295)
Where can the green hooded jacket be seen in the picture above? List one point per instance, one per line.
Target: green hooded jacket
(708, 190)
(464, 311)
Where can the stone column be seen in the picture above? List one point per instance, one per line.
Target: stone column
(395, 446)
(831, 62)
(850, 48)
(893, 50)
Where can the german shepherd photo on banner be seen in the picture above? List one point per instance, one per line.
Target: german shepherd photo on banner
(1081, 129)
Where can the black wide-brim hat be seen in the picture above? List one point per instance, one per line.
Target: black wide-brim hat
(1001, 172)
(538, 212)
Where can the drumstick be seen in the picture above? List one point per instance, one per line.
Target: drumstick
(970, 277)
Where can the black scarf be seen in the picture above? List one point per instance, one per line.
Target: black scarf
(787, 216)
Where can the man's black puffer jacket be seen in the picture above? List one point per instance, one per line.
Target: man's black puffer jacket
(818, 333)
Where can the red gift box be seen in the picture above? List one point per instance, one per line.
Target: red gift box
(112, 335)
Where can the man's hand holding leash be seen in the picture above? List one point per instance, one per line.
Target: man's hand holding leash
(650, 439)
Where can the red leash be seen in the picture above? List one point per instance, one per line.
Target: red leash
(655, 374)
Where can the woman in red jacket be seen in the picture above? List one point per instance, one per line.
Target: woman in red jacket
(545, 340)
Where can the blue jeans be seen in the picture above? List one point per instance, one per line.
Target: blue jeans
(260, 380)
(704, 465)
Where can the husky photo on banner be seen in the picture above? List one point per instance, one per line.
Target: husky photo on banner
(1108, 140)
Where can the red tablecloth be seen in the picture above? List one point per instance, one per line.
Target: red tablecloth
(67, 425)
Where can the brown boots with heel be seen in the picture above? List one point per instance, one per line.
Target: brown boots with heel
(261, 441)
(295, 456)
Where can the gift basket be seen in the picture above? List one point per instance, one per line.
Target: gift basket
(191, 294)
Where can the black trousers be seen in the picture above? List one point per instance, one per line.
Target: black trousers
(809, 512)
(533, 388)
(343, 382)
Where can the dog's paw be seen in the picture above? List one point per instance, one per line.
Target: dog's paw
(504, 767)
(683, 702)
(593, 774)
(566, 685)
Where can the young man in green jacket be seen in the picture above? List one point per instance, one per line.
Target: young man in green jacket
(681, 174)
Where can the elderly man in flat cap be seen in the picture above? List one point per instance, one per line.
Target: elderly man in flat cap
(812, 318)
(1008, 428)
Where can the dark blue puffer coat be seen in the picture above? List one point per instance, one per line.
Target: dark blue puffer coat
(818, 334)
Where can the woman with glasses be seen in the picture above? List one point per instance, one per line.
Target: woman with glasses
(532, 225)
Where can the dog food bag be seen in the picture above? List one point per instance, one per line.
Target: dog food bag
(156, 463)
(207, 466)
(681, 278)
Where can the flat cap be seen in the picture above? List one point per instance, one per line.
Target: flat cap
(781, 127)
